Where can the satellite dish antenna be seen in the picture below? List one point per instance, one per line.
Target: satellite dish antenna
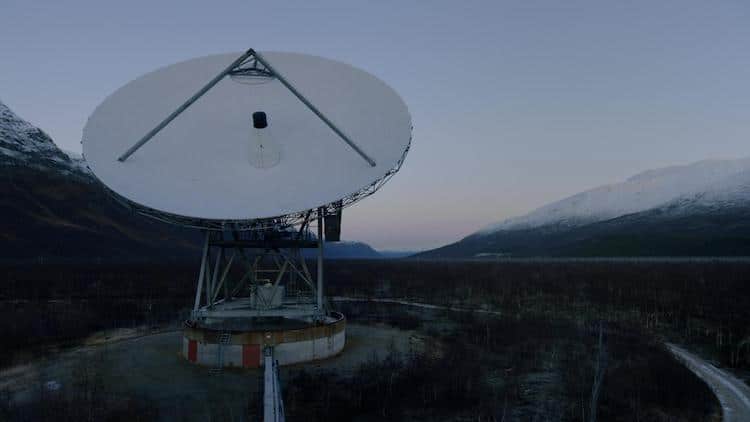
(185, 150)
(256, 150)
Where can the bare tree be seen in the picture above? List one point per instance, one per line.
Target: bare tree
(601, 368)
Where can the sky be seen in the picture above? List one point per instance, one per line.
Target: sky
(514, 103)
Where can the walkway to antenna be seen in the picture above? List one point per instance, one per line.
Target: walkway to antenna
(273, 405)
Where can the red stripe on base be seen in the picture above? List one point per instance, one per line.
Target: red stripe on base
(192, 351)
(250, 356)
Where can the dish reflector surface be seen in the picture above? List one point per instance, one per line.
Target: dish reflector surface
(200, 165)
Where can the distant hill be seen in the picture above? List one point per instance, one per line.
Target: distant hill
(396, 254)
(701, 209)
(346, 250)
(51, 208)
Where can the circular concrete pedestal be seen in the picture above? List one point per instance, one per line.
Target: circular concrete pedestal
(240, 343)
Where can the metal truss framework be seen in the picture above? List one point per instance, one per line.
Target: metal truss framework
(237, 266)
(251, 64)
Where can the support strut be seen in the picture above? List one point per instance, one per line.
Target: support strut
(216, 79)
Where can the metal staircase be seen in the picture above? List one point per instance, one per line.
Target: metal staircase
(225, 339)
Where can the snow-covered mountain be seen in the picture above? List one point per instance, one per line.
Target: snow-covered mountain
(23, 144)
(699, 209)
(704, 183)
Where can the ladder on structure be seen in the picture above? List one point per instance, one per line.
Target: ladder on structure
(273, 405)
(225, 339)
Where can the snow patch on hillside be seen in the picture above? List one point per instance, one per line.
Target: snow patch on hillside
(23, 144)
(702, 183)
(77, 160)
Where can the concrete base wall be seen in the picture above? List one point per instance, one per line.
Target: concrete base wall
(208, 354)
(305, 351)
(245, 348)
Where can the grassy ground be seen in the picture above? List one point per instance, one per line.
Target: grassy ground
(703, 304)
(536, 360)
(399, 364)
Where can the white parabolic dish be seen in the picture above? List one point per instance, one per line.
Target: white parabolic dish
(198, 166)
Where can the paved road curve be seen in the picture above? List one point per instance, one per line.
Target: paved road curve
(733, 394)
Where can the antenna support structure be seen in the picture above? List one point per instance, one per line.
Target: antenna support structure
(255, 291)
(250, 66)
(274, 279)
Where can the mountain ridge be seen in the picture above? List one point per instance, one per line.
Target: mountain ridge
(643, 191)
(706, 214)
(25, 145)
